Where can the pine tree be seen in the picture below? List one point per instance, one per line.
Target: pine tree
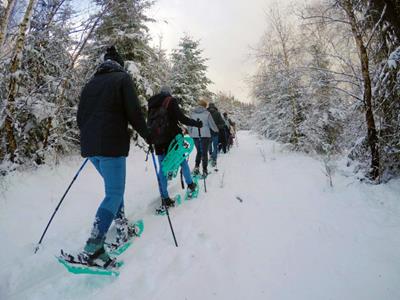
(124, 25)
(189, 79)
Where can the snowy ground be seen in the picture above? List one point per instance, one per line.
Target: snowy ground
(292, 237)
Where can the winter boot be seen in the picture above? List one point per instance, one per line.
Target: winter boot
(94, 254)
(196, 171)
(168, 202)
(192, 187)
(165, 203)
(125, 231)
(213, 163)
(192, 191)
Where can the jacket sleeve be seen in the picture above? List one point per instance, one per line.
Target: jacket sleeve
(179, 115)
(132, 108)
(212, 124)
(219, 121)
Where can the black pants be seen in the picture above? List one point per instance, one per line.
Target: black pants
(222, 140)
(202, 152)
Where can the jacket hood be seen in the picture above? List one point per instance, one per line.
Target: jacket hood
(157, 100)
(109, 66)
(199, 110)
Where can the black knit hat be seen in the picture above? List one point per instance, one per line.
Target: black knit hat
(111, 53)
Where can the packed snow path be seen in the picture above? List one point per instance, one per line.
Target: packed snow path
(270, 227)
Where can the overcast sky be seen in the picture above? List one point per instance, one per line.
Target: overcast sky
(226, 29)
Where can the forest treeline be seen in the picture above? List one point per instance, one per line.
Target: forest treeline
(328, 82)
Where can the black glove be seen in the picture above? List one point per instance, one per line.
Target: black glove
(199, 124)
(148, 140)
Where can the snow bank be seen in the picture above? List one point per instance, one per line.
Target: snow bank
(270, 227)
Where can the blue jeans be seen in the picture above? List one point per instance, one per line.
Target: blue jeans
(113, 171)
(163, 179)
(213, 149)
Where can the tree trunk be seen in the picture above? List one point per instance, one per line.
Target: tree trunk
(4, 22)
(369, 115)
(11, 144)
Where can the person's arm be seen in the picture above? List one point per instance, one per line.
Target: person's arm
(212, 124)
(220, 121)
(132, 108)
(179, 115)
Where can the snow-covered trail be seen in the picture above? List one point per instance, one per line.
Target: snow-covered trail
(269, 227)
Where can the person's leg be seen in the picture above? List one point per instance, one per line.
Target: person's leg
(162, 178)
(214, 144)
(227, 139)
(113, 171)
(186, 172)
(198, 154)
(223, 140)
(205, 143)
(211, 147)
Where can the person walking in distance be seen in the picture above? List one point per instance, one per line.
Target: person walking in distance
(202, 140)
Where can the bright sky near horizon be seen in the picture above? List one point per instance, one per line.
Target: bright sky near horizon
(227, 29)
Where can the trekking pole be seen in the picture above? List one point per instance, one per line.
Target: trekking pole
(182, 183)
(159, 187)
(202, 153)
(59, 204)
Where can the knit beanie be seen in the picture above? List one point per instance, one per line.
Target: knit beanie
(111, 53)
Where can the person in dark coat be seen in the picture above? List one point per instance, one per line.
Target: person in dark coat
(175, 118)
(230, 130)
(219, 121)
(108, 103)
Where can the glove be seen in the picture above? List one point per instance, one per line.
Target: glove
(199, 124)
(148, 140)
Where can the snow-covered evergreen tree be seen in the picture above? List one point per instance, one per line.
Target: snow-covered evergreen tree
(239, 112)
(124, 25)
(189, 79)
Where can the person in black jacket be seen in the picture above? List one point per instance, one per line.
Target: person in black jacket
(175, 117)
(219, 121)
(108, 103)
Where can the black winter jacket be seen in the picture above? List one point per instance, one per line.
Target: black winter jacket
(107, 103)
(175, 115)
(217, 117)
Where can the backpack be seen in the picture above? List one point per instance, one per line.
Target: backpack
(159, 123)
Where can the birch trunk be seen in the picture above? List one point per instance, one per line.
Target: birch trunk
(11, 144)
(4, 22)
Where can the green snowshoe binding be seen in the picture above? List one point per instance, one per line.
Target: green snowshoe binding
(98, 263)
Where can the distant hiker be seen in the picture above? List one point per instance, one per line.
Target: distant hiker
(229, 130)
(201, 113)
(219, 121)
(108, 102)
(164, 116)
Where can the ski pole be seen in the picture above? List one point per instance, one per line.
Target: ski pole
(203, 154)
(182, 183)
(59, 204)
(159, 187)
